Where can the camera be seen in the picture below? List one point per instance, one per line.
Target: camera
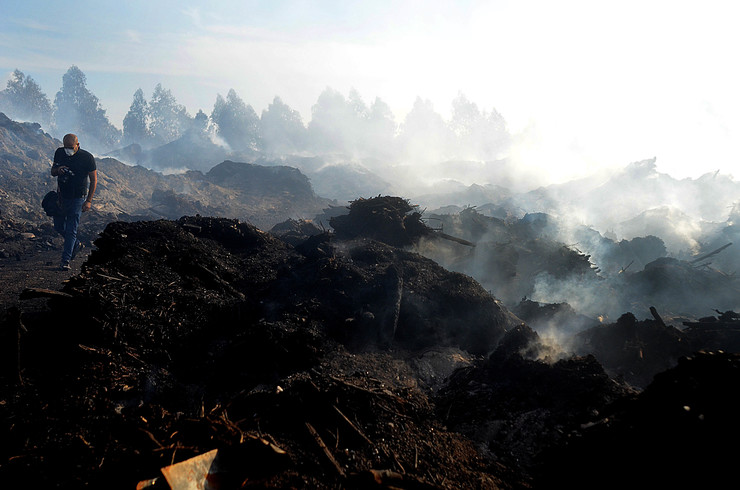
(65, 175)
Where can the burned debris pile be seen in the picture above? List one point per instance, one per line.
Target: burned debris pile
(573, 426)
(392, 220)
(638, 350)
(294, 231)
(320, 363)
(676, 433)
(548, 261)
(681, 287)
(183, 337)
(635, 350)
(561, 318)
(525, 398)
(510, 257)
(717, 332)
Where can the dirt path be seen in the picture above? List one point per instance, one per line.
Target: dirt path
(37, 270)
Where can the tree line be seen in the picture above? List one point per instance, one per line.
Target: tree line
(338, 124)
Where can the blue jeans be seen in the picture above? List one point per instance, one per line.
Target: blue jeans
(67, 225)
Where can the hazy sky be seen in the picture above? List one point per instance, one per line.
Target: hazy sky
(583, 84)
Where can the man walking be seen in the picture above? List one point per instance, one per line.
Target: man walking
(73, 167)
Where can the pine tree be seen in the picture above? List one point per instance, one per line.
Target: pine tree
(135, 127)
(236, 122)
(23, 99)
(78, 111)
(168, 120)
(282, 129)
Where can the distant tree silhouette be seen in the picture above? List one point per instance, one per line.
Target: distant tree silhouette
(236, 122)
(466, 117)
(356, 124)
(424, 134)
(336, 122)
(351, 127)
(356, 105)
(23, 99)
(168, 120)
(496, 137)
(77, 110)
(380, 130)
(135, 125)
(200, 121)
(479, 135)
(282, 129)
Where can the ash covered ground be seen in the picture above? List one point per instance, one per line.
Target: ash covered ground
(309, 359)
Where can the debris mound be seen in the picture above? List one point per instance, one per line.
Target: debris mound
(635, 350)
(679, 286)
(392, 220)
(676, 433)
(294, 231)
(206, 344)
(297, 365)
(720, 332)
(524, 398)
(552, 316)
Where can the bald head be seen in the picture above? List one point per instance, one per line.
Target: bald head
(71, 142)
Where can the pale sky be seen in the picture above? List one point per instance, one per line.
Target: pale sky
(583, 84)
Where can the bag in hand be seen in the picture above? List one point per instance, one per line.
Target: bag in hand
(52, 204)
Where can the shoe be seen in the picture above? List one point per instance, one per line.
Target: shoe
(64, 266)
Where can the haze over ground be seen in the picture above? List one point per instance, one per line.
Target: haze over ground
(582, 85)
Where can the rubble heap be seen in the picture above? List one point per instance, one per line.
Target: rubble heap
(682, 287)
(509, 257)
(635, 350)
(677, 433)
(524, 398)
(525, 258)
(183, 337)
(392, 220)
(552, 317)
(207, 343)
(294, 231)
